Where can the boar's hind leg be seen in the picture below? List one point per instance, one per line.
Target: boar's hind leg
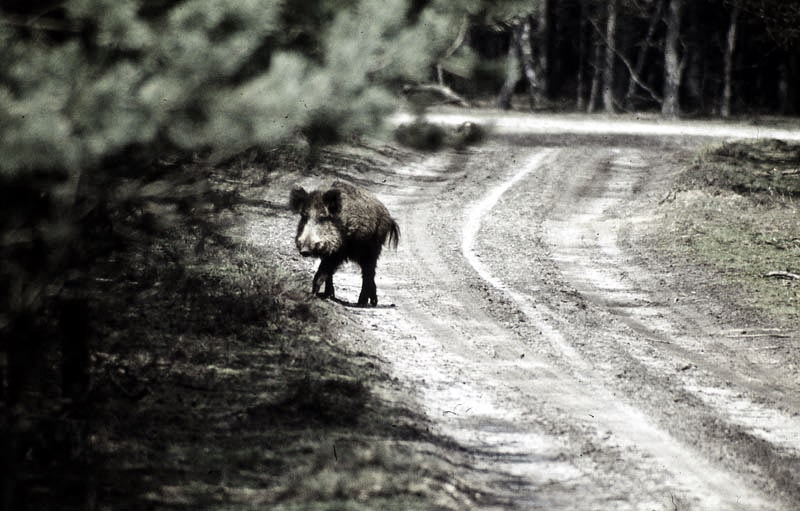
(327, 267)
(369, 292)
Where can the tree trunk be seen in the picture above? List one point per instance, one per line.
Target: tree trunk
(673, 68)
(520, 55)
(791, 67)
(528, 65)
(611, 50)
(727, 89)
(783, 89)
(595, 90)
(543, 46)
(512, 71)
(641, 57)
(580, 103)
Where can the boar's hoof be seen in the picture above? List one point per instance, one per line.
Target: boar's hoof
(364, 301)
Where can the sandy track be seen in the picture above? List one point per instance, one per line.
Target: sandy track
(569, 440)
(537, 337)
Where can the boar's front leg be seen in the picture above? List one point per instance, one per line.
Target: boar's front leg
(327, 267)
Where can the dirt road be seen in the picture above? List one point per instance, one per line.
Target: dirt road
(540, 336)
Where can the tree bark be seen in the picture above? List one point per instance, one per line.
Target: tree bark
(512, 71)
(580, 102)
(673, 68)
(611, 50)
(543, 34)
(596, 74)
(528, 65)
(521, 57)
(727, 89)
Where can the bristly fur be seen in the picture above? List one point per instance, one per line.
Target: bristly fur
(339, 224)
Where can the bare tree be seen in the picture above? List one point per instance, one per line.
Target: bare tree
(529, 67)
(673, 64)
(595, 87)
(512, 70)
(727, 89)
(611, 50)
(527, 57)
(543, 40)
(580, 102)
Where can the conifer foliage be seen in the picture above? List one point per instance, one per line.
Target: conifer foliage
(84, 78)
(102, 103)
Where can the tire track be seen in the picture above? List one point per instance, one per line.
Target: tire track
(583, 240)
(707, 486)
(540, 436)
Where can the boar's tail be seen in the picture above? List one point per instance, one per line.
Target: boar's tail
(394, 234)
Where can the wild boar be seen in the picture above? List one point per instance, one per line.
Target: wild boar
(343, 223)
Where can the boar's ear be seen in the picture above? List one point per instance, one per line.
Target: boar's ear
(333, 200)
(297, 198)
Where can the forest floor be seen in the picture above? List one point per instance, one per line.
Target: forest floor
(573, 320)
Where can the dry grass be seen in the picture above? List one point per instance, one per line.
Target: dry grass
(735, 213)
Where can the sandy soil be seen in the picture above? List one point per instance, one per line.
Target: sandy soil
(576, 370)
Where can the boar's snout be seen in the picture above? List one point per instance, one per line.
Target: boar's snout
(304, 248)
(311, 246)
